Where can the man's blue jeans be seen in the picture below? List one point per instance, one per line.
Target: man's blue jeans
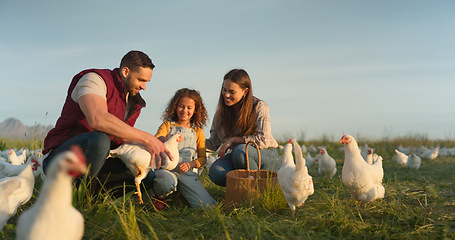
(111, 172)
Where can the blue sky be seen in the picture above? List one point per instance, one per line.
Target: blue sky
(367, 68)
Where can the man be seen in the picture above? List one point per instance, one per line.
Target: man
(100, 111)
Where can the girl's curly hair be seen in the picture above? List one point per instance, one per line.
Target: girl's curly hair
(199, 117)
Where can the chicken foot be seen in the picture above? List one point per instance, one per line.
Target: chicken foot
(138, 187)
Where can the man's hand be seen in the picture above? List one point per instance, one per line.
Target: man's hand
(158, 151)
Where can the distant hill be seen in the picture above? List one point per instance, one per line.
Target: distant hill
(13, 128)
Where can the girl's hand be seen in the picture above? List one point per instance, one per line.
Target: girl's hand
(184, 167)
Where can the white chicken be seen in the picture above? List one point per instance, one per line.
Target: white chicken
(304, 148)
(444, 151)
(15, 191)
(376, 158)
(17, 159)
(404, 150)
(402, 158)
(294, 179)
(371, 157)
(172, 145)
(430, 153)
(137, 159)
(327, 165)
(368, 156)
(22, 151)
(9, 170)
(53, 216)
(364, 149)
(364, 181)
(309, 160)
(413, 161)
(312, 149)
(210, 160)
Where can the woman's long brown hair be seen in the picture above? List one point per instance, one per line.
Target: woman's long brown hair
(238, 120)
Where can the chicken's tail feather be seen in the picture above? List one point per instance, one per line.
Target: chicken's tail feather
(299, 160)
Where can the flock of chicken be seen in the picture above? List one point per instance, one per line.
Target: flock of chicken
(362, 175)
(362, 171)
(54, 203)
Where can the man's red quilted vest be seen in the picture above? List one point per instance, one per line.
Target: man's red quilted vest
(72, 121)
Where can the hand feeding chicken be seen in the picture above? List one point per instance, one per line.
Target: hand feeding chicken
(172, 145)
(53, 216)
(137, 159)
(294, 179)
(15, 191)
(364, 181)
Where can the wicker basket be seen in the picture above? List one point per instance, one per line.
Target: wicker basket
(243, 185)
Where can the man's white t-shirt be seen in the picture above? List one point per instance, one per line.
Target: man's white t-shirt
(92, 83)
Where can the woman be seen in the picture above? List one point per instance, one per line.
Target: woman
(240, 118)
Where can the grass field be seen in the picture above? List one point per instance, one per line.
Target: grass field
(419, 204)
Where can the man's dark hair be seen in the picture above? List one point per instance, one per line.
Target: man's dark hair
(134, 59)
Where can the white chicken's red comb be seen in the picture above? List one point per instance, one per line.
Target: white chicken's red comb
(290, 140)
(35, 164)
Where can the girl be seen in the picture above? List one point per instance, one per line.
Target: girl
(240, 118)
(185, 114)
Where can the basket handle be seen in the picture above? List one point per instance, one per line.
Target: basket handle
(246, 153)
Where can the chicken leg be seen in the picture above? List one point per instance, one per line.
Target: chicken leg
(138, 187)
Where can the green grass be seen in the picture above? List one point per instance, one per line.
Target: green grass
(419, 204)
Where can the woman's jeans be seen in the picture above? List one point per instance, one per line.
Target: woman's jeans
(237, 160)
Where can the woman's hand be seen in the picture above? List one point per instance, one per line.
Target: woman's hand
(224, 148)
(230, 143)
